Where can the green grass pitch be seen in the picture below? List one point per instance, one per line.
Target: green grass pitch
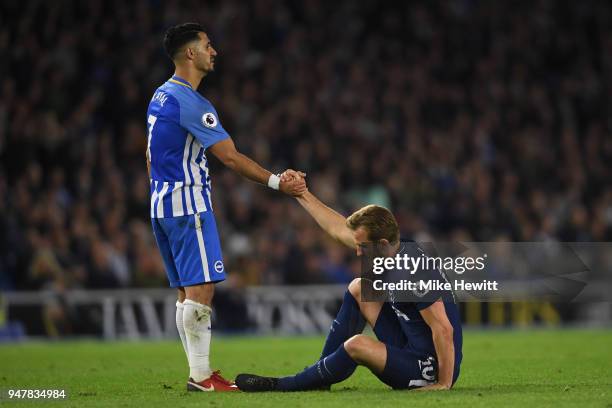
(530, 368)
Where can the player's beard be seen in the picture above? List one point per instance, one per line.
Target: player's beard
(208, 67)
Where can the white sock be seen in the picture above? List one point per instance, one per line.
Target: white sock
(196, 322)
(180, 327)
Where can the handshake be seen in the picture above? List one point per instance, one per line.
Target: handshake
(293, 182)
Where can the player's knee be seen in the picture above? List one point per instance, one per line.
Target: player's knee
(201, 293)
(355, 346)
(181, 294)
(355, 288)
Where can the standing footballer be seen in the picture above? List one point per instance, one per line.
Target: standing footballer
(183, 125)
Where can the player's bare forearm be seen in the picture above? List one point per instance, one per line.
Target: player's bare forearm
(445, 351)
(225, 151)
(331, 221)
(442, 334)
(249, 169)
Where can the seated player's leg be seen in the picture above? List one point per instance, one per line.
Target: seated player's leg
(399, 368)
(387, 327)
(403, 368)
(396, 366)
(332, 369)
(351, 318)
(369, 310)
(335, 364)
(388, 358)
(348, 322)
(406, 369)
(197, 254)
(368, 352)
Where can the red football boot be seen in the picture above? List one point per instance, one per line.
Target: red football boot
(213, 383)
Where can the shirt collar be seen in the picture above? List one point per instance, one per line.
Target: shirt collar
(178, 80)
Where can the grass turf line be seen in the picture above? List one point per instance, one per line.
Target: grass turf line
(564, 368)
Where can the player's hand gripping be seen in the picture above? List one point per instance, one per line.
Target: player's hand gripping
(293, 183)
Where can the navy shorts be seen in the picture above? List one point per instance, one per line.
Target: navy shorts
(405, 368)
(190, 248)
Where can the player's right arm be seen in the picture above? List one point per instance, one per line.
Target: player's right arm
(331, 221)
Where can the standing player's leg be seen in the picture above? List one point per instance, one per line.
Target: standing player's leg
(179, 320)
(197, 312)
(165, 249)
(197, 254)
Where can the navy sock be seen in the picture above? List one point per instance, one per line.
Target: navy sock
(332, 369)
(347, 323)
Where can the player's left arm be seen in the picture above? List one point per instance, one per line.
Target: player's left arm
(442, 332)
(200, 119)
(226, 151)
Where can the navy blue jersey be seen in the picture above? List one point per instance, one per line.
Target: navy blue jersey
(417, 333)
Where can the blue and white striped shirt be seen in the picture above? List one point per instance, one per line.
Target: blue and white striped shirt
(182, 125)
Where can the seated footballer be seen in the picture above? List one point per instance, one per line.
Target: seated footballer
(418, 344)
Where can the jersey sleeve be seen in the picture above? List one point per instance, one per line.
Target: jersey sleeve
(424, 305)
(432, 296)
(202, 121)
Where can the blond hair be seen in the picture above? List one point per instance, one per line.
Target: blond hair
(377, 221)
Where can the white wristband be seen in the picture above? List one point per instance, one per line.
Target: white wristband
(274, 182)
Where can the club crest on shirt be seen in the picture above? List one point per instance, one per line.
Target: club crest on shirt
(209, 120)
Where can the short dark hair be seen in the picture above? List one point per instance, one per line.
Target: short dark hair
(180, 35)
(378, 222)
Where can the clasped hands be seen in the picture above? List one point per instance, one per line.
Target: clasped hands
(292, 182)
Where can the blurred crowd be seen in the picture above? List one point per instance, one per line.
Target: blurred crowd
(471, 120)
